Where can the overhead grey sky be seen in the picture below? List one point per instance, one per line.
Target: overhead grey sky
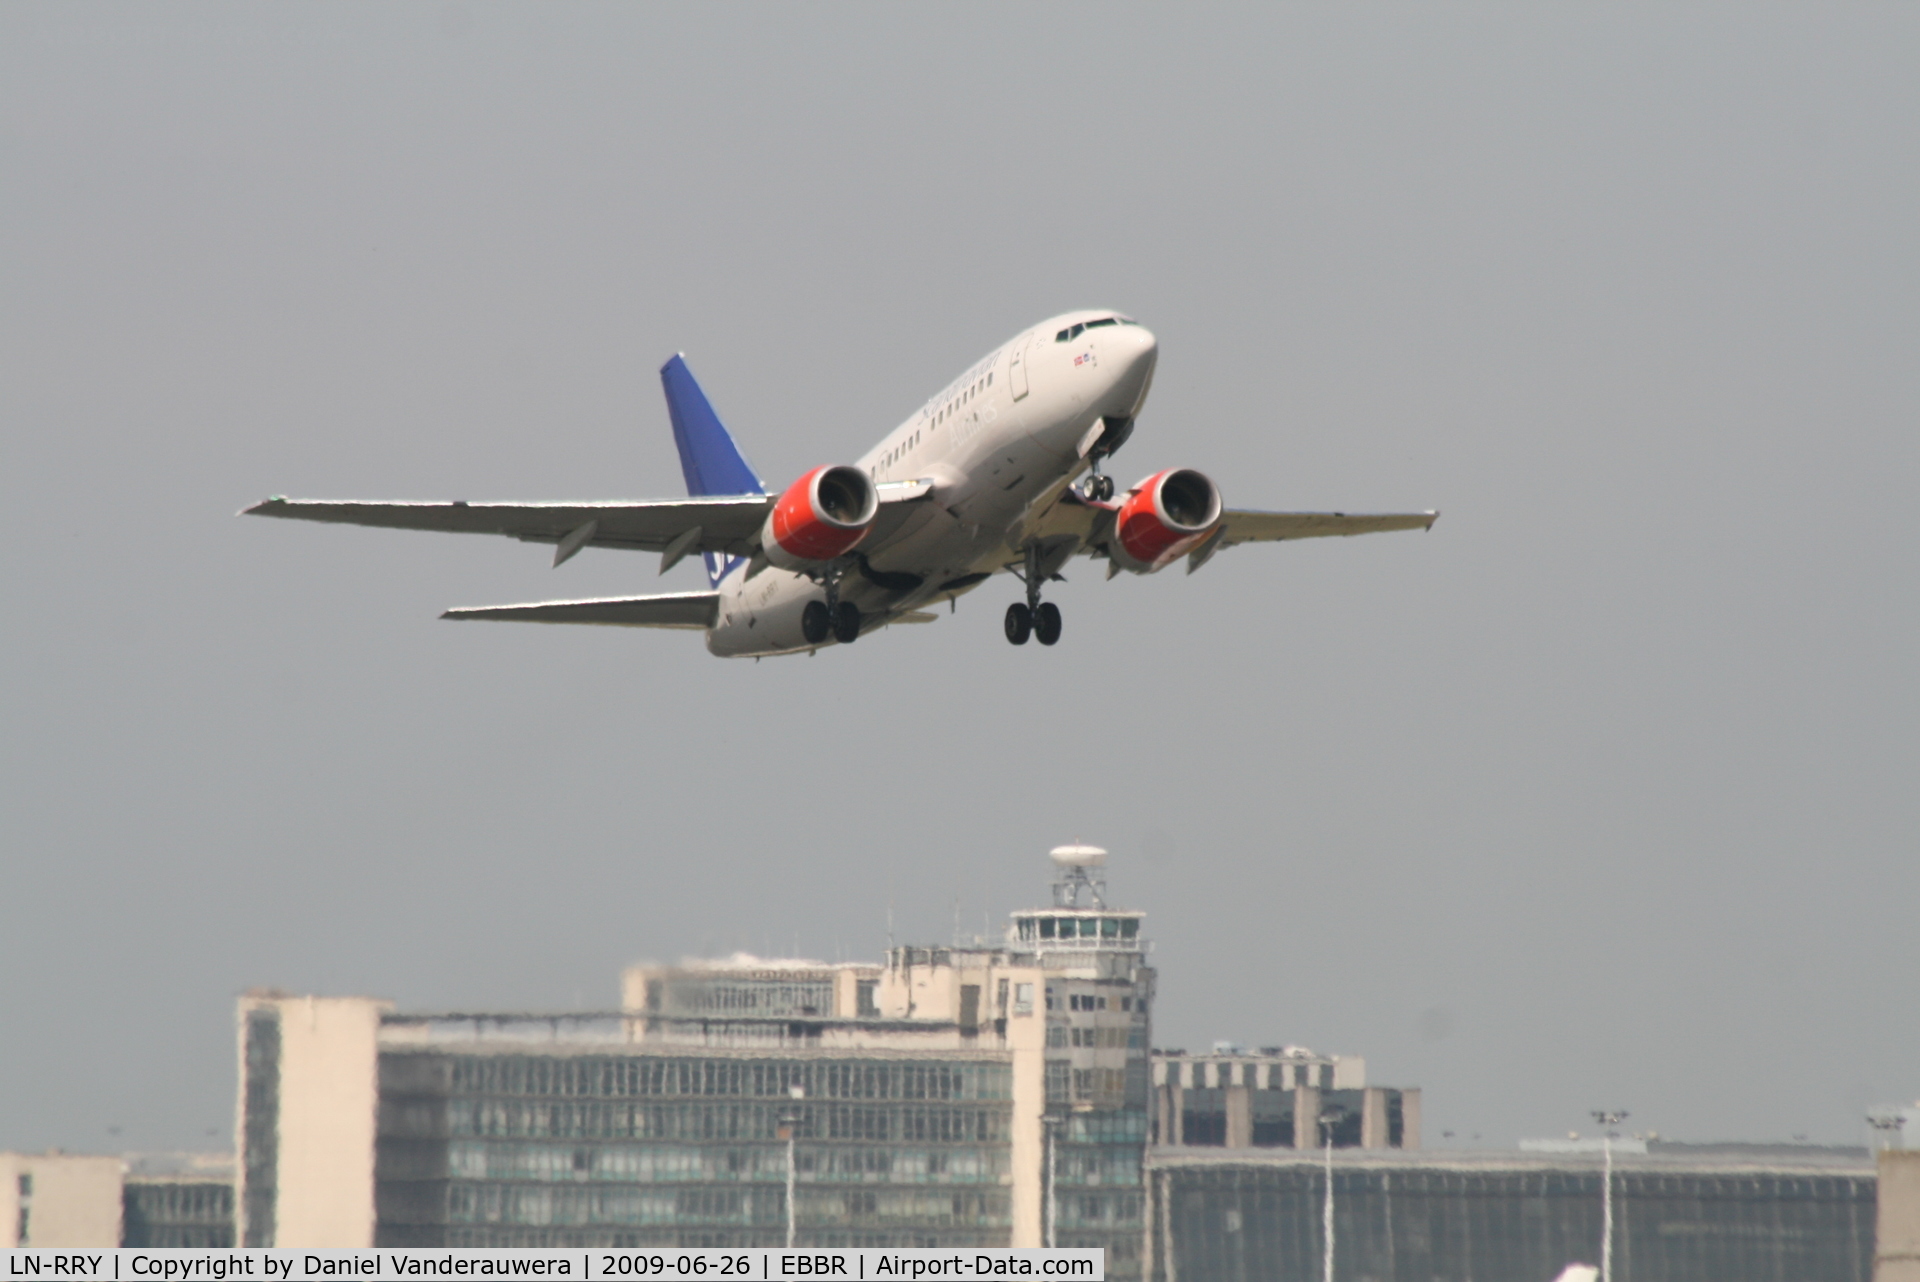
(1602, 794)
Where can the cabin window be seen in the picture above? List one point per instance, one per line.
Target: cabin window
(1046, 928)
(1097, 324)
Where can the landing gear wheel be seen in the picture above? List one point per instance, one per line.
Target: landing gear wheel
(846, 623)
(815, 622)
(1102, 491)
(1046, 623)
(1019, 623)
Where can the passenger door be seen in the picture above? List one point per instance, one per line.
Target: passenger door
(1017, 368)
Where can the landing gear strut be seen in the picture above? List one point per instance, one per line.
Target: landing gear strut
(840, 619)
(1033, 617)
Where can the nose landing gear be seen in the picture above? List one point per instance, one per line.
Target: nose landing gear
(1114, 434)
(1033, 617)
(1099, 486)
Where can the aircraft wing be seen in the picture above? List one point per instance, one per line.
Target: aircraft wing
(727, 524)
(1075, 525)
(673, 610)
(1240, 526)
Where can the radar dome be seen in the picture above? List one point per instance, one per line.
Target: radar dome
(1078, 856)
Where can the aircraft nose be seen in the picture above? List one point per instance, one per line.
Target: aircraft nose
(1134, 350)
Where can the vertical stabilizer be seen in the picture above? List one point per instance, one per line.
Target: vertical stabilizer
(709, 459)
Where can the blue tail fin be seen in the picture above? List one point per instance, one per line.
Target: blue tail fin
(709, 459)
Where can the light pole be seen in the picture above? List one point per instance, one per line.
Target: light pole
(789, 1128)
(1328, 1120)
(1052, 1127)
(1608, 1119)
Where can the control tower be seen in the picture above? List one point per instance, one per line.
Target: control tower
(1080, 920)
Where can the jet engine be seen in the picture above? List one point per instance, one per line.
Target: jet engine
(821, 516)
(1162, 519)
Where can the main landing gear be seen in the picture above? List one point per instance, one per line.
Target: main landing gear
(1033, 617)
(831, 617)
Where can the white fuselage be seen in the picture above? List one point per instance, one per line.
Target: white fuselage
(999, 445)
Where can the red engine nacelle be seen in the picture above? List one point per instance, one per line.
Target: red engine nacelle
(821, 516)
(1163, 518)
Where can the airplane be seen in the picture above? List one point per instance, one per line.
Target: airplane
(1002, 471)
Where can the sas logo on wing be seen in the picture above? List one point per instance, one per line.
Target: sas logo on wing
(1084, 359)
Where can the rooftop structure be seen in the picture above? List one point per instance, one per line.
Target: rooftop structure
(1276, 1097)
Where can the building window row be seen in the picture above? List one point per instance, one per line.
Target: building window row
(742, 997)
(1109, 1088)
(626, 1076)
(1133, 1038)
(1086, 1210)
(661, 1163)
(535, 1119)
(541, 1206)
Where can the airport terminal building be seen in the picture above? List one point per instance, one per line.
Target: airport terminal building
(931, 1100)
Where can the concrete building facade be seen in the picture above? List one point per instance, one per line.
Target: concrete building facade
(307, 1107)
(1897, 1241)
(59, 1199)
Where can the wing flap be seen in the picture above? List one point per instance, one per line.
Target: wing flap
(671, 610)
(728, 524)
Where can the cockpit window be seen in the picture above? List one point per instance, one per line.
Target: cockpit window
(1072, 332)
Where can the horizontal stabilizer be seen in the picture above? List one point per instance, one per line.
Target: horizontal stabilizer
(673, 610)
